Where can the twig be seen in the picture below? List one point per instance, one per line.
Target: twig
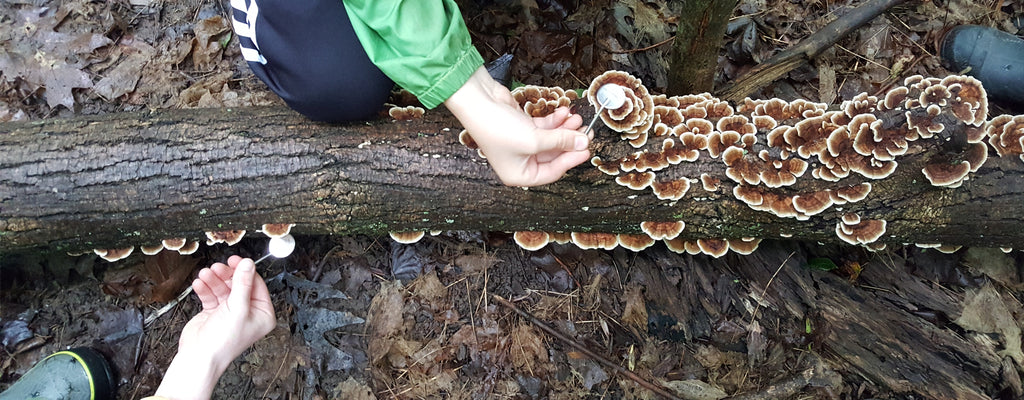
(287, 351)
(320, 266)
(582, 349)
(631, 51)
(770, 280)
(167, 307)
(809, 48)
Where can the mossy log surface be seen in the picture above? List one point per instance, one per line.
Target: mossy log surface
(134, 178)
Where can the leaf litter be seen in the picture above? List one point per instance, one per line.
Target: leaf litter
(413, 321)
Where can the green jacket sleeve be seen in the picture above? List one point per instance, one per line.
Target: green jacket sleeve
(422, 45)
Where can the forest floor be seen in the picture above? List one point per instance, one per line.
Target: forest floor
(364, 317)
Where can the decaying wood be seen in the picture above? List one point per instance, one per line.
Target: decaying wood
(890, 329)
(135, 178)
(782, 63)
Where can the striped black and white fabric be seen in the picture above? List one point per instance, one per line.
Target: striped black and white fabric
(308, 54)
(243, 21)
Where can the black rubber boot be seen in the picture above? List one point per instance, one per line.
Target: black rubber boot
(77, 374)
(995, 57)
(501, 69)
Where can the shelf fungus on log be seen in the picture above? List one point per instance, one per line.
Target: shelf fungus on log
(1006, 135)
(531, 240)
(174, 244)
(590, 240)
(788, 159)
(854, 230)
(188, 248)
(769, 146)
(635, 242)
(539, 101)
(636, 116)
(227, 237)
(151, 250)
(406, 113)
(662, 230)
(276, 230)
(407, 237)
(114, 254)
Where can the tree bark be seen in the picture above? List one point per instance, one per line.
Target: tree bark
(694, 57)
(116, 180)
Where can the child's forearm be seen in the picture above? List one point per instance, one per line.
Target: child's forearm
(190, 377)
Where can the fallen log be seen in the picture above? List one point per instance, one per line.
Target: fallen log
(133, 179)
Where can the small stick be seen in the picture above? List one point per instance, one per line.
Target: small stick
(594, 120)
(579, 347)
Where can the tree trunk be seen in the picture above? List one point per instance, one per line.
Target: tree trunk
(694, 57)
(116, 180)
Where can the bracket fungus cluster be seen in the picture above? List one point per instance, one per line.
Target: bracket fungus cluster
(539, 101)
(406, 113)
(792, 159)
(186, 247)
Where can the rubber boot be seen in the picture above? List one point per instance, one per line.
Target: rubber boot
(995, 57)
(501, 69)
(76, 374)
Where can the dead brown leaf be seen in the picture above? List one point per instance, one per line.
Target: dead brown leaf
(276, 358)
(527, 350)
(429, 288)
(384, 319)
(126, 283)
(353, 390)
(985, 311)
(168, 271)
(634, 313)
(123, 77)
(43, 58)
(476, 263)
(206, 46)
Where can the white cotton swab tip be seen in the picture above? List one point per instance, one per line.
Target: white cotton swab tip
(279, 247)
(611, 96)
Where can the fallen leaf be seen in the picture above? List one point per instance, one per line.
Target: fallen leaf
(46, 59)
(122, 78)
(476, 263)
(206, 48)
(168, 272)
(985, 311)
(527, 350)
(693, 389)
(589, 370)
(313, 320)
(353, 390)
(14, 332)
(275, 359)
(634, 313)
(384, 319)
(993, 263)
(430, 289)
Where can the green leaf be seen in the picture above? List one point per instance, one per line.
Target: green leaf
(821, 263)
(224, 41)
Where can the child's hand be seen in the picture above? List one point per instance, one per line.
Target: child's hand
(236, 313)
(523, 151)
